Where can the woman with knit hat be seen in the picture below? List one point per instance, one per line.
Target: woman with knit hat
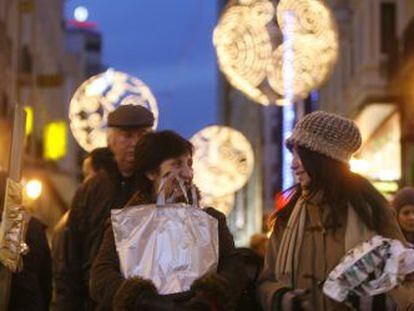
(331, 211)
(403, 203)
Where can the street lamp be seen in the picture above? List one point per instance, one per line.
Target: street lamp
(33, 189)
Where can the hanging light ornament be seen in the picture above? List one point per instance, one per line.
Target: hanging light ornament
(97, 97)
(223, 160)
(250, 50)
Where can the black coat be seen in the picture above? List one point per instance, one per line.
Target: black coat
(80, 239)
(106, 277)
(31, 289)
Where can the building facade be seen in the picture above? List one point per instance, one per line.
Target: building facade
(361, 86)
(41, 67)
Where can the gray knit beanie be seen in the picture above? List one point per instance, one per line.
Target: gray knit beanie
(403, 197)
(327, 133)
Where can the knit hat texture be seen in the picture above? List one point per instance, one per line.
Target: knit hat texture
(403, 197)
(328, 134)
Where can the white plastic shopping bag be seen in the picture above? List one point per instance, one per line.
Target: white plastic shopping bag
(170, 244)
(373, 267)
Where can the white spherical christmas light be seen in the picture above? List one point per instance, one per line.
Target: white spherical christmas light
(223, 160)
(97, 97)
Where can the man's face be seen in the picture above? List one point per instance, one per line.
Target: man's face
(122, 142)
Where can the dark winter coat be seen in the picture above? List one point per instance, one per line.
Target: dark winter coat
(82, 235)
(31, 289)
(106, 277)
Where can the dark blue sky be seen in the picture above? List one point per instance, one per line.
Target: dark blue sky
(168, 45)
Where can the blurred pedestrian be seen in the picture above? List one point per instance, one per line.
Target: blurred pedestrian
(31, 288)
(332, 211)
(158, 155)
(91, 207)
(97, 159)
(403, 204)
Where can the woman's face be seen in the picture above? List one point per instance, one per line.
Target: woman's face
(301, 176)
(406, 218)
(181, 166)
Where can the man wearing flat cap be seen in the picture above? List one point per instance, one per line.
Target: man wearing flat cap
(91, 208)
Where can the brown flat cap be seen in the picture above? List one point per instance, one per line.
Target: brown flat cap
(130, 116)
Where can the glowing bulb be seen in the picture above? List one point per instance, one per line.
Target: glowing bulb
(81, 14)
(33, 189)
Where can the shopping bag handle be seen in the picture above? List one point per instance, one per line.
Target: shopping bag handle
(161, 190)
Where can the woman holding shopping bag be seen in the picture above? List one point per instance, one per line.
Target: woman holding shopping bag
(331, 211)
(163, 172)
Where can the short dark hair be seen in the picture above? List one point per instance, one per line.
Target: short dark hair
(102, 158)
(153, 149)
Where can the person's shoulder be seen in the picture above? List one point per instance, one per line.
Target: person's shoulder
(215, 213)
(101, 181)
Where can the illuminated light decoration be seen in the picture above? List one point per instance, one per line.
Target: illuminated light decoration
(289, 78)
(29, 120)
(223, 204)
(33, 189)
(315, 45)
(247, 30)
(312, 17)
(81, 14)
(55, 140)
(97, 97)
(244, 46)
(223, 160)
(309, 70)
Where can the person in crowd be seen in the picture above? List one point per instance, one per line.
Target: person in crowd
(91, 207)
(403, 203)
(97, 159)
(31, 288)
(157, 155)
(331, 211)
